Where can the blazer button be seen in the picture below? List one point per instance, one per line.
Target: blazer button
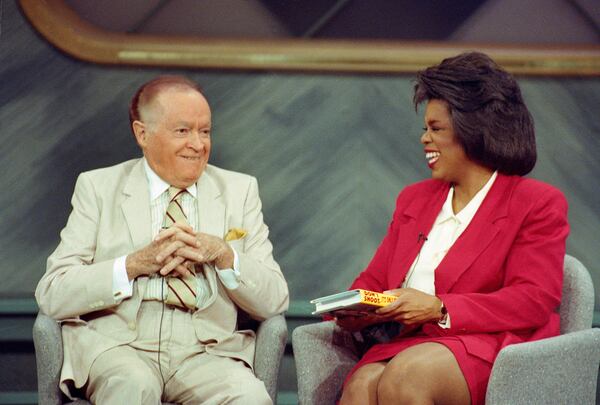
(131, 325)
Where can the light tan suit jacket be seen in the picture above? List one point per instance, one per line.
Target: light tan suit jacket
(111, 218)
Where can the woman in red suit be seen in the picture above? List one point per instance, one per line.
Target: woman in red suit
(474, 255)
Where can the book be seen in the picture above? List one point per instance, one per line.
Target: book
(358, 300)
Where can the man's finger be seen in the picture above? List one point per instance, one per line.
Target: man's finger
(175, 229)
(184, 227)
(168, 250)
(165, 233)
(188, 239)
(183, 270)
(171, 265)
(193, 255)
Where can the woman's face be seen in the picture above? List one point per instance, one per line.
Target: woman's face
(445, 156)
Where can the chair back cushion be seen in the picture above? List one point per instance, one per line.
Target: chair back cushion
(577, 306)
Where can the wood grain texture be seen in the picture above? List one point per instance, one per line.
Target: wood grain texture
(57, 22)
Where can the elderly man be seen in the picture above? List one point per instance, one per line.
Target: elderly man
(156, 259)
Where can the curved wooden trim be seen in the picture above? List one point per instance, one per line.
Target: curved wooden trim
(62, 27)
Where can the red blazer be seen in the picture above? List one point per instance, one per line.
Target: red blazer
(501, 281)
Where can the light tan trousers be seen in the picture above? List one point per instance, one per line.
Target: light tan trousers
(187, 375)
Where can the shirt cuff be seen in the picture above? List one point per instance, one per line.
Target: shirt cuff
(231, 277)
(445, 324)
(122, 286)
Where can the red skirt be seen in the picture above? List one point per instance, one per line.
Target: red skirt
(475, 370)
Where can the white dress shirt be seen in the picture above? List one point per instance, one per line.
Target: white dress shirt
(159, 201)
(446, 229)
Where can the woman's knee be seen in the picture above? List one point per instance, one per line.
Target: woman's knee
(425, 373)
(400, 382)
(363, 384)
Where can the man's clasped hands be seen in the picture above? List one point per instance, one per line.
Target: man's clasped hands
(175, 250)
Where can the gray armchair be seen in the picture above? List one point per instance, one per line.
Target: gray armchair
(271, 337)
(558, 370)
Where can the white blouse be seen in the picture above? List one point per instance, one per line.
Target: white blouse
(445, 231)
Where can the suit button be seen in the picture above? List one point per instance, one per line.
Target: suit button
(131, 325)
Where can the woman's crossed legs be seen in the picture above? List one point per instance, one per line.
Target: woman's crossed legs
(427, 373)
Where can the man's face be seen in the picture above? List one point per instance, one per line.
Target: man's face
(175, 135)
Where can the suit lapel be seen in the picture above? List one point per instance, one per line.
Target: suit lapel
(136, 207)
(421, 214)
(211, 211)
(478, 235)
(211, 218)
(136, 210)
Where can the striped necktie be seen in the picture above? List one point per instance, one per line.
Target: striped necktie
(182, 290)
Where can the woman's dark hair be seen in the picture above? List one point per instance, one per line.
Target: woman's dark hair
(487, 110)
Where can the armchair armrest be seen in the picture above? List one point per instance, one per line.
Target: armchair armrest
(47, 339)
(559, 370)
(324, 354)
(271, 338)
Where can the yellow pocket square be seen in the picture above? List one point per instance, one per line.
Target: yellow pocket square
(235, 234)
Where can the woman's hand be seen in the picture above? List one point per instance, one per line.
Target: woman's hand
(412, 307)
